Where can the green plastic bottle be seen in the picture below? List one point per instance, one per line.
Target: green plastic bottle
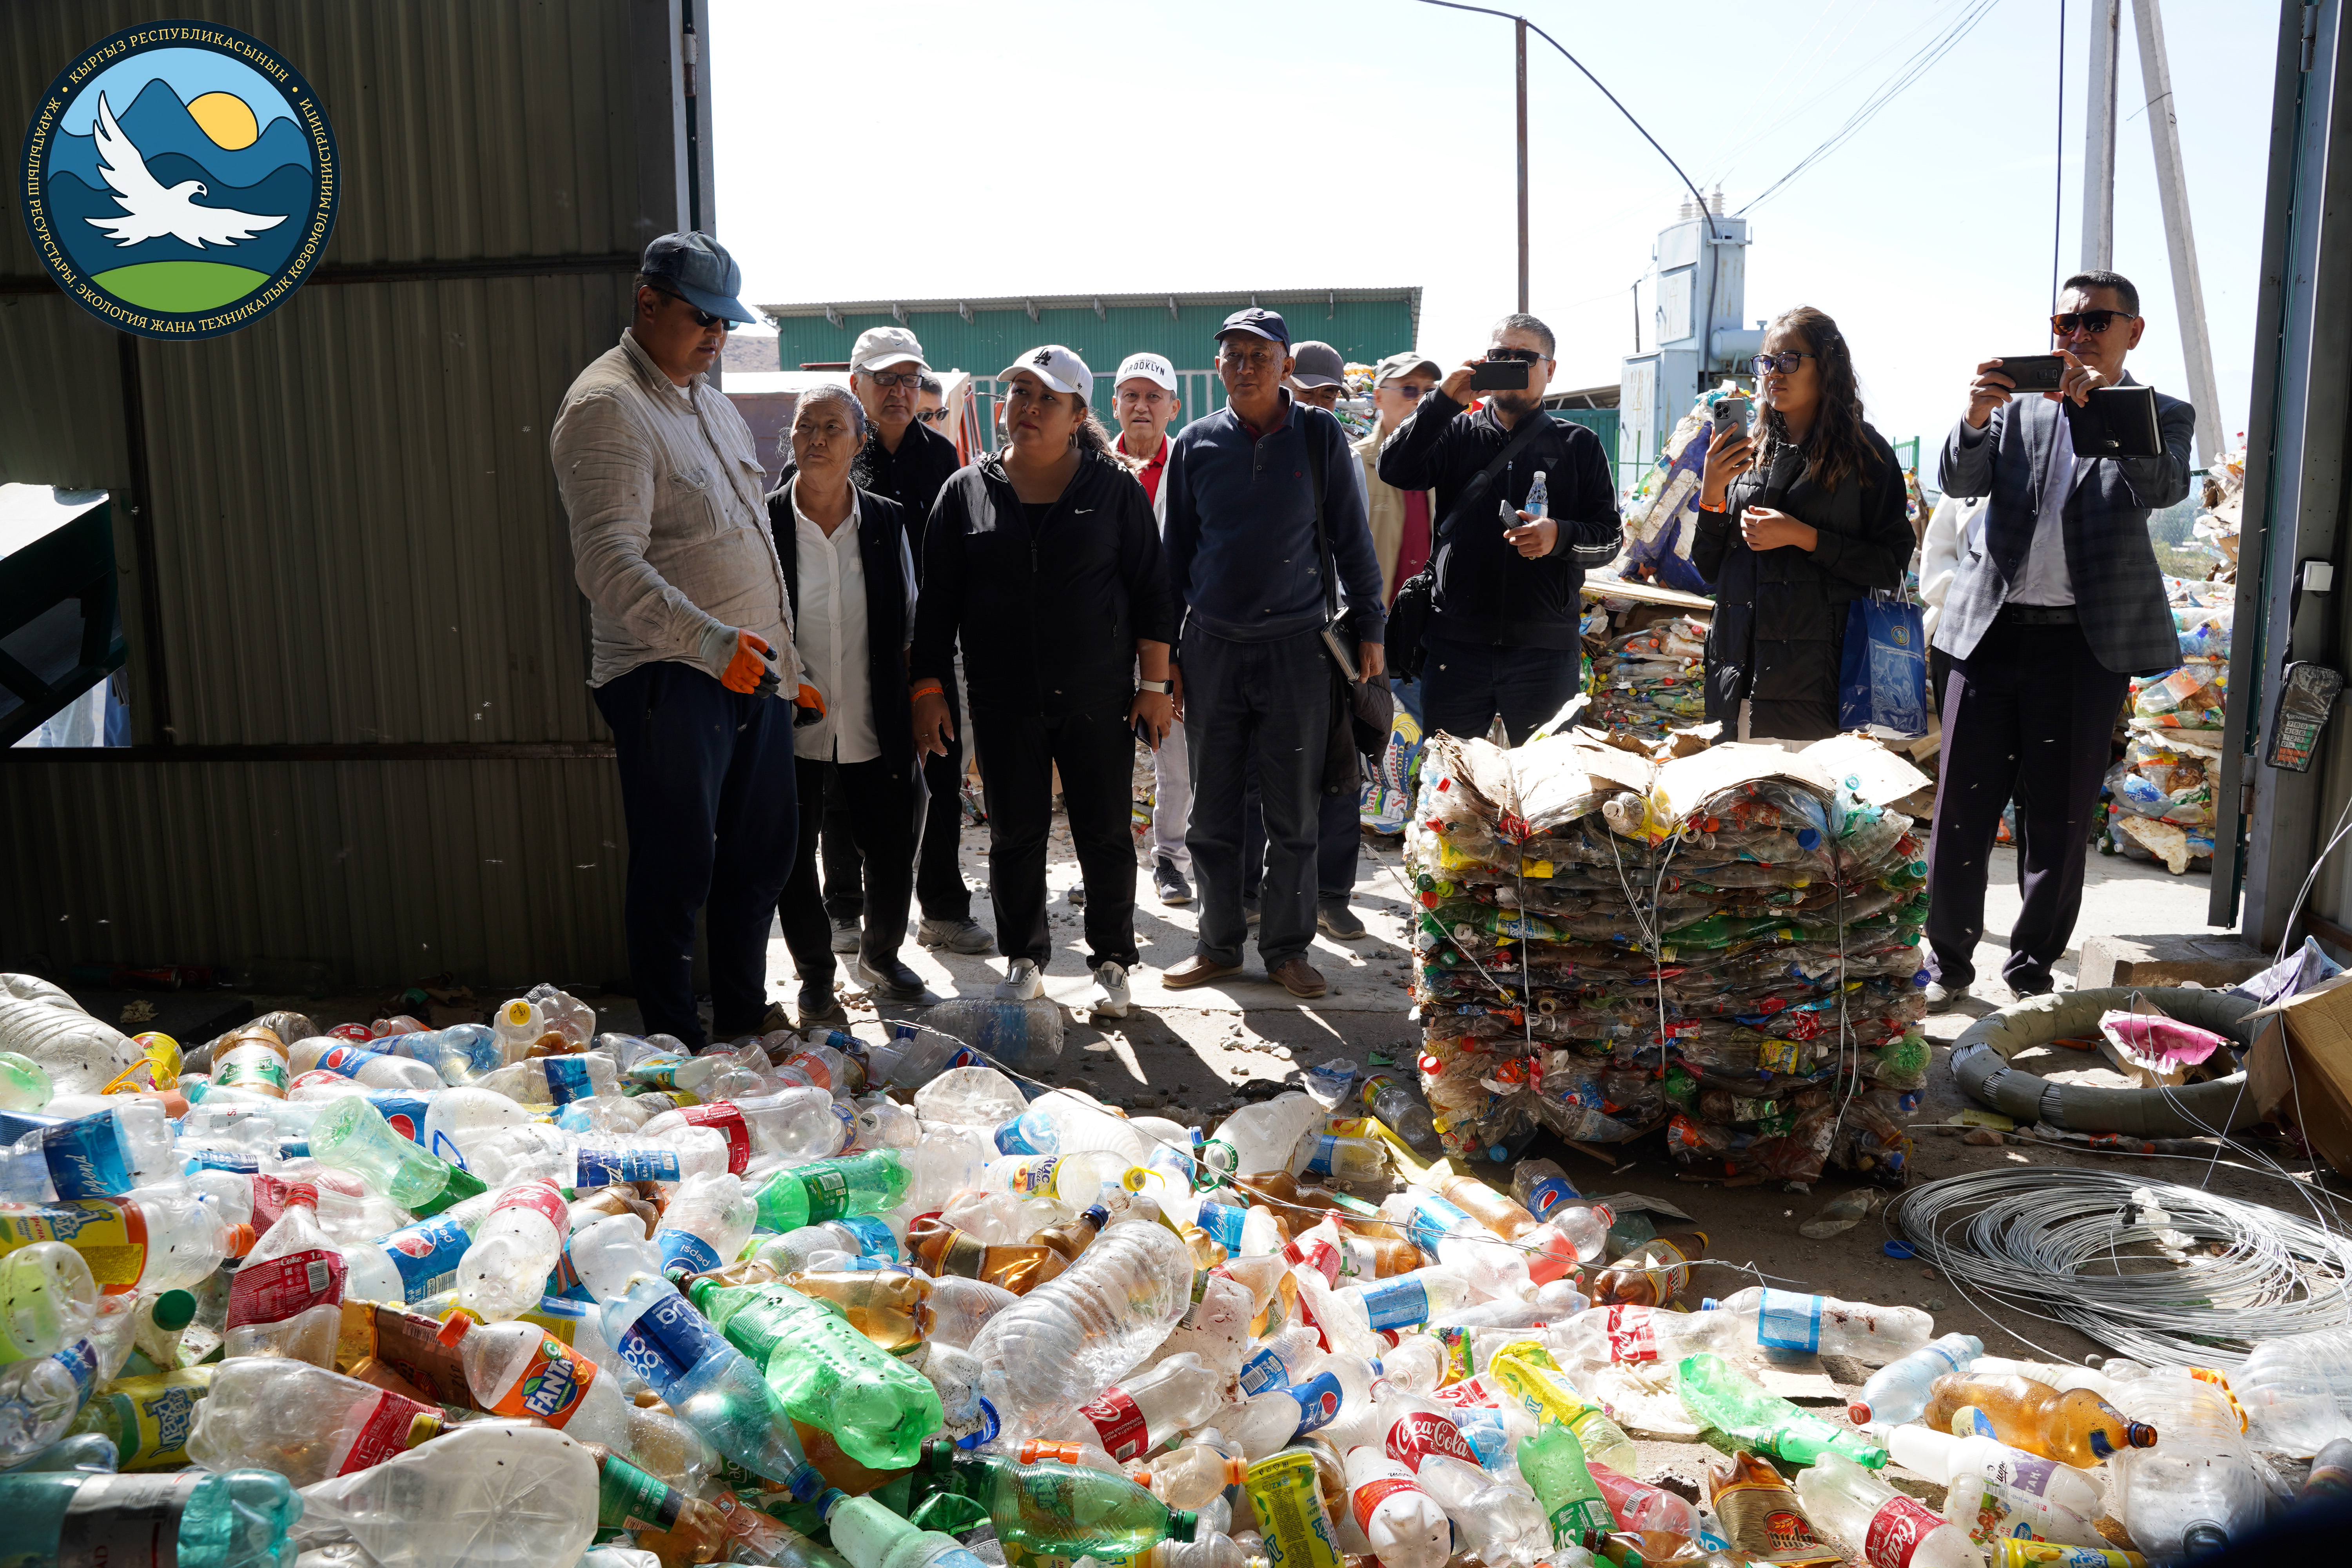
(831, 1189)
(1718, 1394)
(871, 1536)
(235, 1519)
(1051, 1508)
(1552, 1461)
(352, 1135)
(824, 1372)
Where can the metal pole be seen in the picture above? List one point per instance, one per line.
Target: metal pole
(1519, 30)
(2189, 294)
(2099, 138)
(2058, 161)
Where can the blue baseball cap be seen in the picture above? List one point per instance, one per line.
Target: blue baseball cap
(698, 269)
(1259, 323)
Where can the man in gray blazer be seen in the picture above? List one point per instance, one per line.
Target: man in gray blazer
(2051, 609)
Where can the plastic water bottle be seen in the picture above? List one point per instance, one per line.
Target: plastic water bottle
(2297, 1391)
(49, 1298)
(554, 1080)
(1328, 1082)
(1540, 1186)
(411, 1263)
(795, 1126)
(461, 1054)
(238, 1520)
(1402, 1523)
(707, 1382)
(287, 1298)
(870, 1536)
(504, 1273)
(1407, 1300)
(706, 1224)
(1195, 1475)
(1897, 1392)
(1321, 1157)
(304, 1422)
(1066, 1340)
(350, 1135)
(974, 1096)
(484, 1493)
(1023, 1036)
(1878, 1523)
(1538, 496)
(1634, 1335)
(823, 1371)
(458, 1117)
(1261, 1137)
(1941, 1456)
(368, 1065)
(1808, 1325)
(2197, 1489)
(1403, 1114)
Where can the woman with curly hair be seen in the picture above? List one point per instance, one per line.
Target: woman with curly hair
(1797, 518)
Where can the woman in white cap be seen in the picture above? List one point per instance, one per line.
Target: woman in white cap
(1043, 560)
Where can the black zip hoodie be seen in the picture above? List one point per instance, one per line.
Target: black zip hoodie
(1048, 624)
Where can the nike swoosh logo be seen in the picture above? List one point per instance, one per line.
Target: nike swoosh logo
(1081, 511)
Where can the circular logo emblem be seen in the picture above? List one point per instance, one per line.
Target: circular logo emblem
(179, 180)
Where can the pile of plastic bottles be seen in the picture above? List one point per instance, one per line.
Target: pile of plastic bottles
(1743, 968)
(1652, 681)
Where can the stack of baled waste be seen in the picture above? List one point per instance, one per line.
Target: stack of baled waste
(1652, 681)
(1725, 943)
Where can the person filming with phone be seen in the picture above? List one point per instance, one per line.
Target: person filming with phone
(1797, 519)
(1504, 628)
(2054, 607)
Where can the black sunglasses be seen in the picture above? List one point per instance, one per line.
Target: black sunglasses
(1785, 362)
(2067, 323)
(703, 319)
(1521, 357)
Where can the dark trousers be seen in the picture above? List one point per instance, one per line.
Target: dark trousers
(707, 793)
(1269, 702)
(1464, 685)
(1095, 748)
(880, 819)
(1338, 841)
(939, 865)
(2031, 713)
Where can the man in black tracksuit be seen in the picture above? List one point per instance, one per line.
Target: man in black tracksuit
(1505, 636)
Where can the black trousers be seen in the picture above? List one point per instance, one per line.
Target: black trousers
(938, 864)
(2030, 713)
(880, 817)
(1269, 702)
(1339, 842)
(1465, 684)
(1095, 748)
(709, 799)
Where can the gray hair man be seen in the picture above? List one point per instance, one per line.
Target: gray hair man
(1146, 398)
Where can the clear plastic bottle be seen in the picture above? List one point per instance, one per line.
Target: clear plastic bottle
(1261, 1137)
(795, 1125)
(350, 1135)
(2297, 1391)
(1023, 1036)
(409, 1264)
(1634, 1335)
(362, 1064)
(1195, 1475)
(1408, 1301)
(287, 1298)
(1880, 1524)
(237, 1520)
(706, 1224)
(1051, 1508)
(1285, 1490)
(304, 1422)
(1540, 1186)
(459, 1054)
(2199, 1489)
(608, 1252)
(971, 1097)
(826, 1373)
(49, 1298)
(1066, 1340)
(1941, 1456)
(554, 1080)
(1897, 1392)
(1537, 1381)
(707, 1382)
(1132, 1419)
(870, 1536)
(1496, 1212)
(1404, 1524)
(1642, 1507)
(1328, 1082)
(1806, 1325)
(503, 1274)
(518, 1027)
(1400, 1113)
(2076, 1427)
(520, 1370)
(483, 1492)
(1322, 1157)
(1989, 1511)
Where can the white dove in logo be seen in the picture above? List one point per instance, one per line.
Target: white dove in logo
(152, 211)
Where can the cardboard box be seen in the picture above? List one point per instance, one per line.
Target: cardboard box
(2300, 1069)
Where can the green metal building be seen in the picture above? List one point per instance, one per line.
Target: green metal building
(982, 336)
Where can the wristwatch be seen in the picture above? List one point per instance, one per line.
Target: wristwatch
(1165, 687)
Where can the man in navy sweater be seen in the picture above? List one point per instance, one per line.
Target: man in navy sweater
(1253, 677)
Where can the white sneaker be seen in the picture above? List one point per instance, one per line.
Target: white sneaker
(1110, 996)
(1022, 983)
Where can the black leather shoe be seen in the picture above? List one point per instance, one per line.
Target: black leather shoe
(821, 1009)
(888, 979)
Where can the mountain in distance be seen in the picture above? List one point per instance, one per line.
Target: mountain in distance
(288, 190)
(157, 123)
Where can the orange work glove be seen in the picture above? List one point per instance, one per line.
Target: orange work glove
(810, 705)
(748, 668)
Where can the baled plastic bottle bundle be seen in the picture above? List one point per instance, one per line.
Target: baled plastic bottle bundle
(304, 1422)
(235, 1519)
(485, 1493)
(1719, 1396)
(2076, 1427)
(1808, 1325)
(1882, 1526)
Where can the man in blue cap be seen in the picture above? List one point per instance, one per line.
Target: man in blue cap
(1253, 565)
(691, 640)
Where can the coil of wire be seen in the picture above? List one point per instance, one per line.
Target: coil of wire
(2163, 1273)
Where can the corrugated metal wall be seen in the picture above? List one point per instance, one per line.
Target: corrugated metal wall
(353, 539)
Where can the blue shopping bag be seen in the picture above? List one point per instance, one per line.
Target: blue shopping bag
(1882, 677)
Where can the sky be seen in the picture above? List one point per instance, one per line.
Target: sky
(192, 73)
(935, 149)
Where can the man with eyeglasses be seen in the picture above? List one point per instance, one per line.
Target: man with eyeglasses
(905, 460)
(1253, 681)
(690, 641)
(1508, 634)
(1145, 399)
(1400, 518)
(2051, 610)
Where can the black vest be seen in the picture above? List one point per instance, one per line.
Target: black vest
(881, 528)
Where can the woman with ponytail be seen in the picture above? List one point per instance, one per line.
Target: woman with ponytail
(1799, 517)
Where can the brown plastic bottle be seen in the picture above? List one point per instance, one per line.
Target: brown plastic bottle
(1496, 1210)
(944, 1248)
(2076, 1427)
(1067, 1241)
(630, 1498)
(894, 1310)
(1653, 1274)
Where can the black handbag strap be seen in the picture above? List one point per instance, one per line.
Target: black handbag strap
(1322, 538)
(1475, 491)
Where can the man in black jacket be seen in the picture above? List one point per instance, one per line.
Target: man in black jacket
(1505, 636)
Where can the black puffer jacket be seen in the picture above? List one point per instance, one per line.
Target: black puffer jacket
(1780, 616)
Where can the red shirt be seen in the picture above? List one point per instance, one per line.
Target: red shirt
(1412, 550)
(1150, 473)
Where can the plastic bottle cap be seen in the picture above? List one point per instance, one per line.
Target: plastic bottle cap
(1858, 1412)
(1181, 1523)
(241, 1237)
(1708, 1304)
(423, 1427)
(174, 1310)
(456, 1326)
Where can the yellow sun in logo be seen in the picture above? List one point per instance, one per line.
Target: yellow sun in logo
(226, 119)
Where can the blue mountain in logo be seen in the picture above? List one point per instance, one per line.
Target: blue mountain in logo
(158, 122)
(286, 190)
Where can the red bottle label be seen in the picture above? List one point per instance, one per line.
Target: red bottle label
(541, 1197)
(1422, 1433)
(1369, 1495)
(1119, 1421)
(383, 1432)
(1631, 1336)
(1896, 1531)
(726, 1119)
(281, 1288)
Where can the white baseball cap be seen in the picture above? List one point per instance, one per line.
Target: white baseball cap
(1059, 368)
(879, 348)
(1148, 367)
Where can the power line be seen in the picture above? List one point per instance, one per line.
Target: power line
(1571, 59)
(1894, 85)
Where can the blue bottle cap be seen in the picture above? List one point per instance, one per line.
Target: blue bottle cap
(1899, 1249)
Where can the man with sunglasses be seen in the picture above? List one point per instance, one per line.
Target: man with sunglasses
(691, 640)
(931, 411)
(2053, 609)
(1400, 518)
(1507, 636)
